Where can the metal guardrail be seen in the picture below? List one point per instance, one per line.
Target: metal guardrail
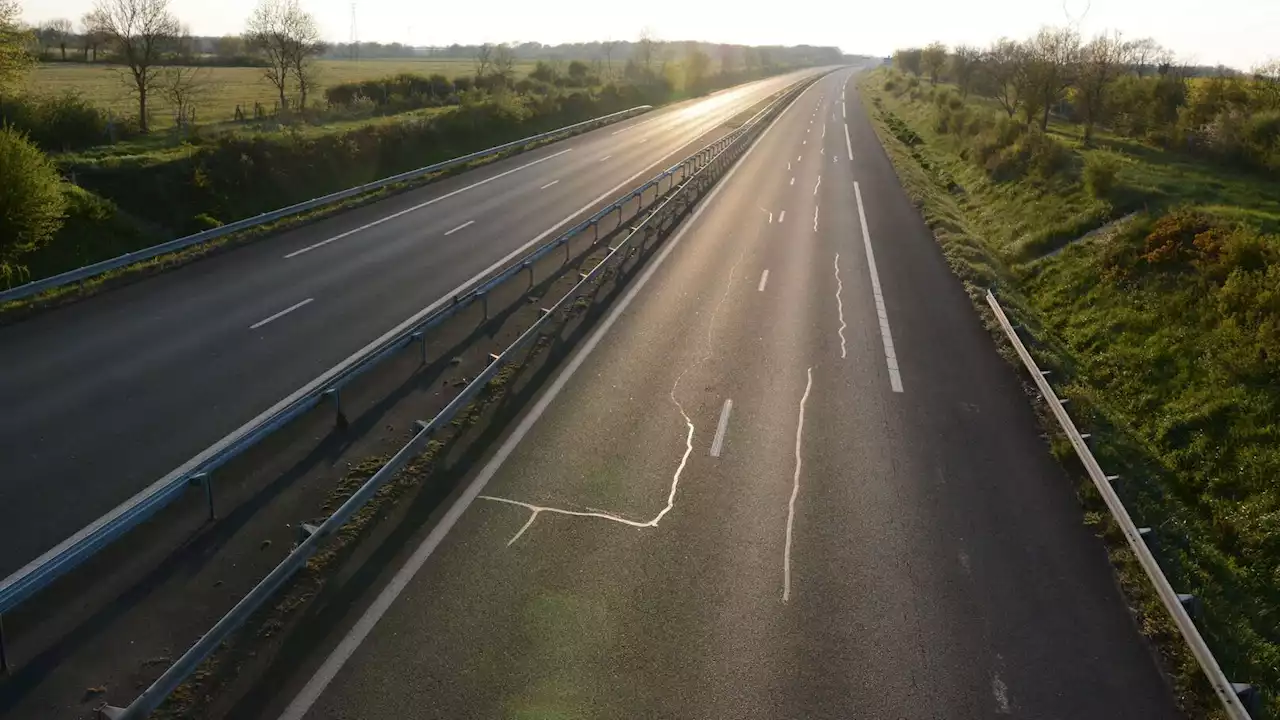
(88, 271)
(1233, 696)
(705, 167)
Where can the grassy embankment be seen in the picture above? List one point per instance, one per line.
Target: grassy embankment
(1163, 329)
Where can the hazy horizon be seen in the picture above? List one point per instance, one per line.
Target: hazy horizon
(1239, 33)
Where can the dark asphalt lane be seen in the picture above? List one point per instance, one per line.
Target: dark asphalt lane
(104, 397)
(842, 549)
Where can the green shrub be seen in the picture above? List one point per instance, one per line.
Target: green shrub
(55, 123)
(31, 201)
(1100, 171)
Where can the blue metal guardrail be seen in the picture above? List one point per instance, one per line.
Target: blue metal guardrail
(41, 572)
(1235, 697)
(711, 160)
(88, 271)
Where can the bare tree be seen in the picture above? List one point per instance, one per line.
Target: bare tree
(607, 47)
(964, 67)
(1146, 55)
(504, 64)
(182, 86)
(1004, 65)
(1101, 62)
(90, 38)
(1266, 85)
(306, 71)
(646, 47)
(59, 32)
(933, 59)
(140, 30)
(288, 37)
(484, 60)
(1055, 62)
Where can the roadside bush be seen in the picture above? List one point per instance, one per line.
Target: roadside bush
(1100, 172)
(31, 201)
(55, 123)
(93, 229)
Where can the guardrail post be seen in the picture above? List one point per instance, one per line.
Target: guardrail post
(421, 337)
(529, 266)
(335, 396)
(484, 304)
(4, 658)
(566, 251)
(596, 227)
(207, 482)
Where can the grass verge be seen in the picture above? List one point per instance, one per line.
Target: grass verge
(1162, 329)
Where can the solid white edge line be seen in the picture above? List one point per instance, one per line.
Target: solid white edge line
(717, 444)
(764, 280)
(421, 205)
(328, 670)
(280, 314)
(468, 223)
(553, 182)
(890, 355)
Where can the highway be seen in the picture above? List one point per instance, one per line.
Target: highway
(104, 397)
(787, 476)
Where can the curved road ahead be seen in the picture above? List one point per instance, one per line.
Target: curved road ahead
(104, 397)
(787, 477)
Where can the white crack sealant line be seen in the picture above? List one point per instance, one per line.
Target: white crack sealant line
(709, 351)
(818, 185)
(840, 307)
(890, 355)
(815, 218)
(795, 492)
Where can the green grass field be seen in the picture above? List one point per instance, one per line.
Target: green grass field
(105, 85)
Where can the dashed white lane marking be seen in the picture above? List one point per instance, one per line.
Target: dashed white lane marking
(359, 632)
(804, 142)
(890, 355)
(421, 205)
(815, 187)
(840, 307)
(280, 314)
(788, 164)
(468, 223)
(795, 492)
(824, 131)
(717, 444)
(606, 157)
(553, 182)
(782, 216)
(793, 181)
(769, 212)
(848, 146)
(799, 158)
(764, 280)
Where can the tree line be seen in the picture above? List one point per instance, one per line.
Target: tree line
(1136, 88)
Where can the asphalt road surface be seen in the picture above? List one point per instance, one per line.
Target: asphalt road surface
(787, 477)
(102, 398)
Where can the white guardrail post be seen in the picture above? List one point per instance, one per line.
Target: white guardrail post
(95, 269)
(183, 667)
(1232, 695)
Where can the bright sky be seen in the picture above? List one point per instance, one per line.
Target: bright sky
(1240, 33)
